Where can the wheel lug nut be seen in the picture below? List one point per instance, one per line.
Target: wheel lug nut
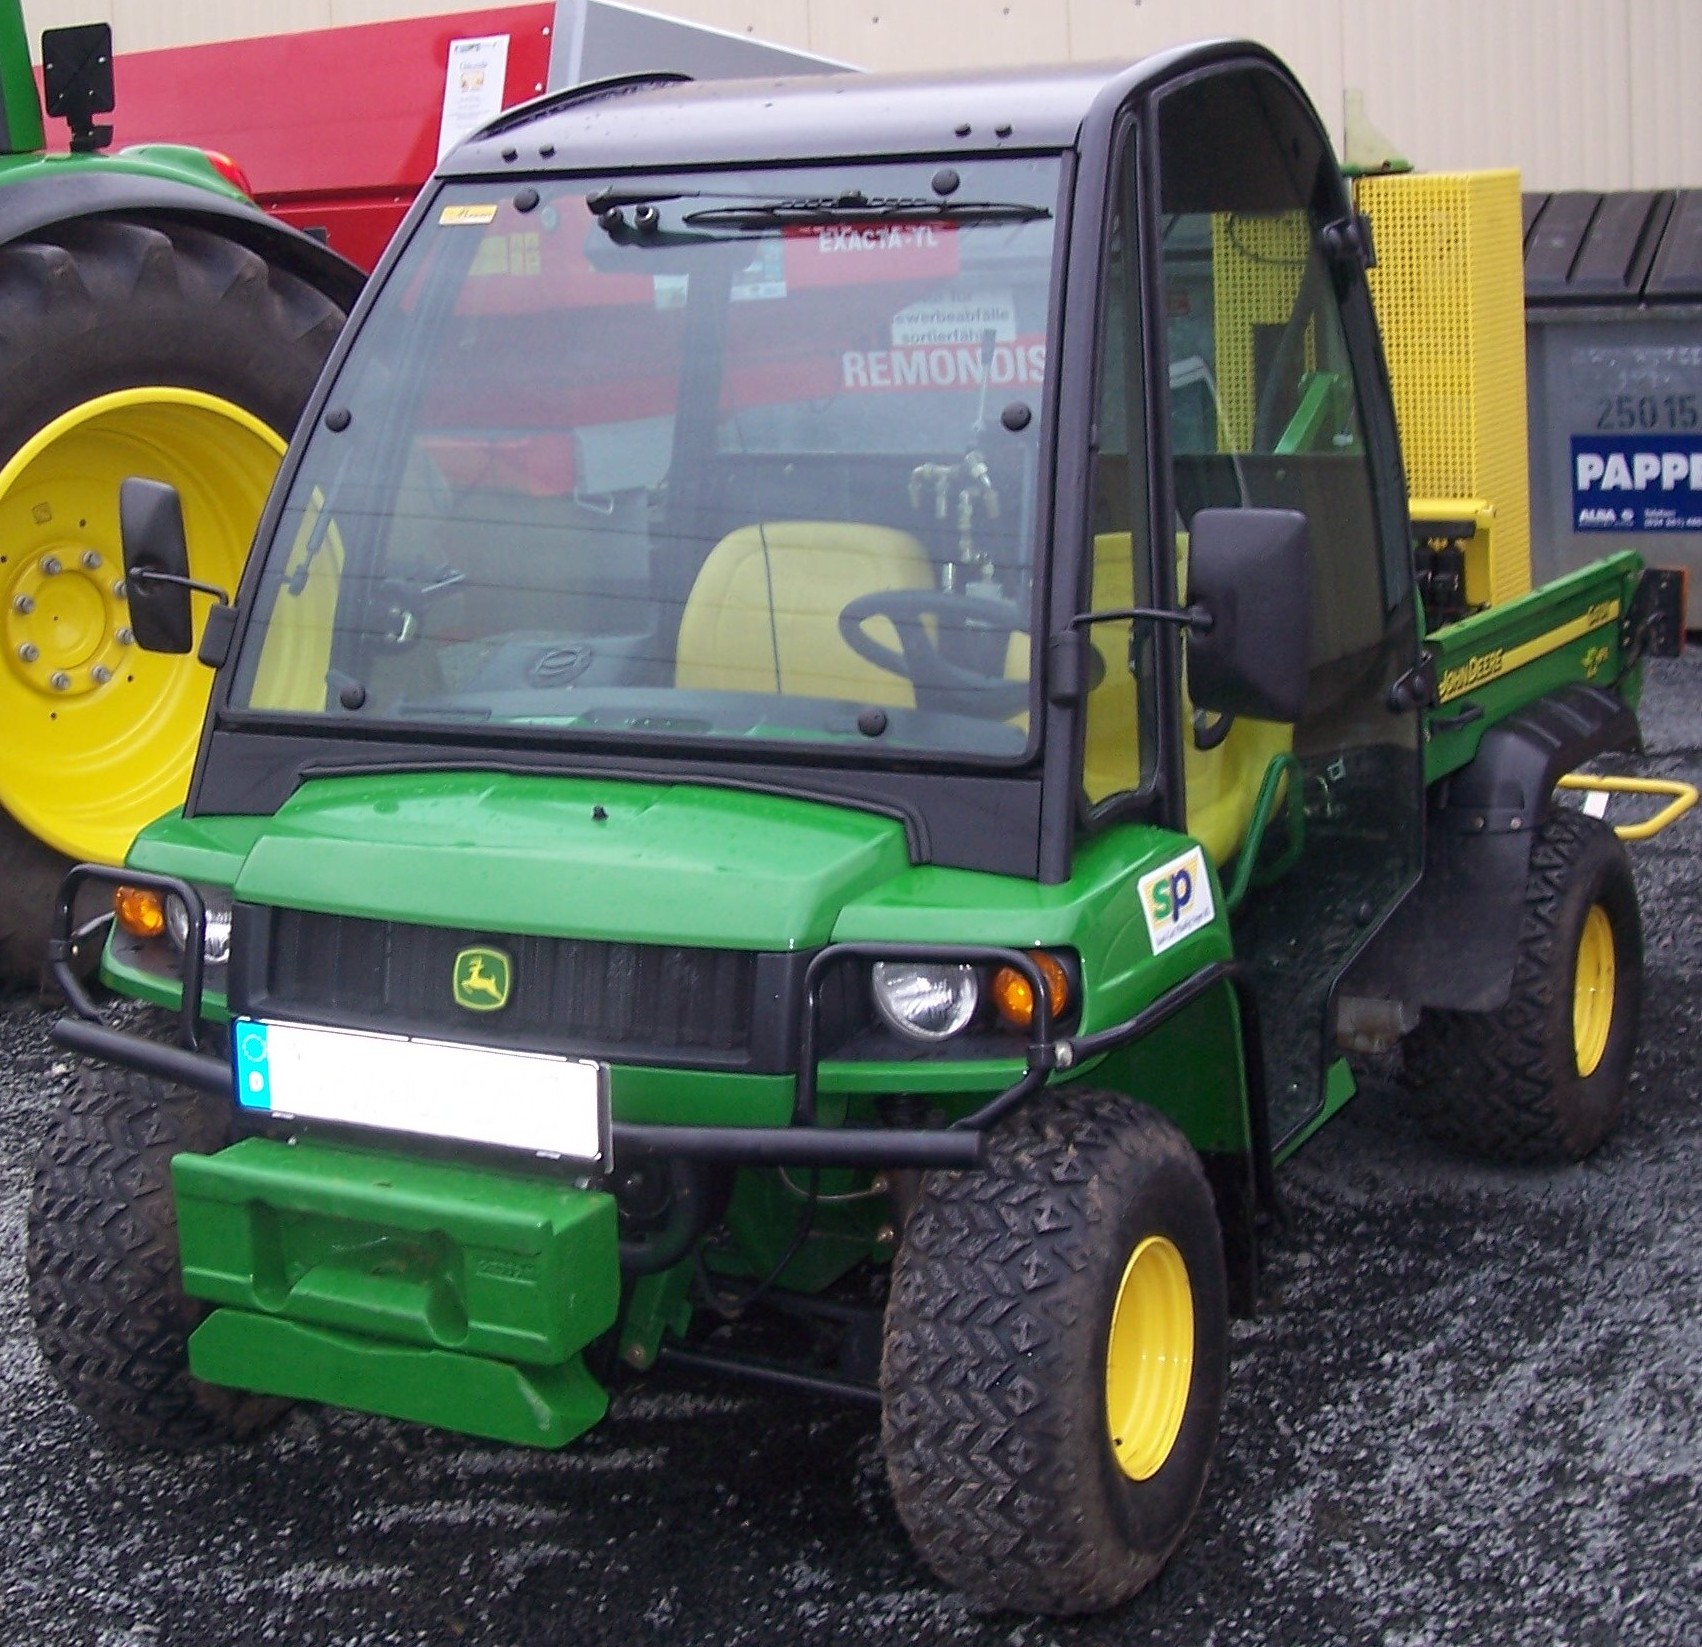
(23, 604)
(91, 559)
(59, 681)
(100, 674)
(120, 590)
(29, 651)
(51, 566)
(125, 636)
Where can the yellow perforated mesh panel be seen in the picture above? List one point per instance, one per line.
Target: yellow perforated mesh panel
(1257, 264)
(1450, 296)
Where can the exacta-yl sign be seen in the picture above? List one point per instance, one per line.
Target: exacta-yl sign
(1636, 483)
(1177, 899)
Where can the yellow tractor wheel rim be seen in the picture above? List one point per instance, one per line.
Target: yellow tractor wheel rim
(1149, 1361)
(99, 735)
(1592, 990)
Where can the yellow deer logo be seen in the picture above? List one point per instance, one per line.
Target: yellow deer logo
(482, 979)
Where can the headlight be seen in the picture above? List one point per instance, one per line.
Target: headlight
(926, 1001)
(215, 948)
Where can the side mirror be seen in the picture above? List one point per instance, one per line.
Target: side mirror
(1251, 571)
(156, 565)
(76, 76)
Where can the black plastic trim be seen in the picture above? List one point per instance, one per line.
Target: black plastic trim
(959, 820)
(1452, 945)
(1507, 785)
(776, 988)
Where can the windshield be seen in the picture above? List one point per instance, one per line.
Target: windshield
(736, 457)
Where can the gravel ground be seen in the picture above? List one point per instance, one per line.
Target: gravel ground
(1469, 1413)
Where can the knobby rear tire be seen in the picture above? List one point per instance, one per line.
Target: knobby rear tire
(1507, 1085)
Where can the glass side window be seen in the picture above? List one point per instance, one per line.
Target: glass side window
(1274, 403)
(742, 457)
(1119, 746)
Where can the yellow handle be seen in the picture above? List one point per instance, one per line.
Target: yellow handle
(1683, 798)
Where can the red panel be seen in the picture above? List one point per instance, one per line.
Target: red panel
(358, 228)
(335, 127)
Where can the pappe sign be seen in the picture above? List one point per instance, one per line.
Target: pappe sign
(1636, 483)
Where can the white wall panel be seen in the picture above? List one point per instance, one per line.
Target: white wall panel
(1665, 43)
(1544, 85)
(348, 12)
(782, 22)
(141, 25)
(1307, 36)
(900, 34)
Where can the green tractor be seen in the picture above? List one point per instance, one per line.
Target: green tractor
(833, 731)
(152, 322)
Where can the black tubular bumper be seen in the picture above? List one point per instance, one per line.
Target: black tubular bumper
(804, 1143)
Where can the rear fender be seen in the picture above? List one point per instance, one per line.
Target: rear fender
(1453, 943)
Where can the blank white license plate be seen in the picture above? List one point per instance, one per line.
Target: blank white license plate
(532, 1101)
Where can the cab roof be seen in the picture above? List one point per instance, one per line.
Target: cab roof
(635, 124)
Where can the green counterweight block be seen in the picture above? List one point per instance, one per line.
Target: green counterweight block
(450, 1295)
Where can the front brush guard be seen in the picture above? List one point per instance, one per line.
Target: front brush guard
(957, 1146)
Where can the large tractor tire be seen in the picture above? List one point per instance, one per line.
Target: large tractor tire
(110, 1313)
(128, 346)
(1542, 1079)
(1056, 1353)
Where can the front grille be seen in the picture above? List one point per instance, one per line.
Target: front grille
(640, 1002)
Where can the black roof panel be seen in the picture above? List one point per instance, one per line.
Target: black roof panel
(814, 117)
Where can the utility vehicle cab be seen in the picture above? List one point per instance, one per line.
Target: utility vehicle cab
(827, 654)
(840, 476)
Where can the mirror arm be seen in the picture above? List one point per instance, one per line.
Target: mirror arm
(1195, 618)
(1209, 733)
(146, 574)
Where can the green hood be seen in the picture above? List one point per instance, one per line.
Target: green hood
(594, 858)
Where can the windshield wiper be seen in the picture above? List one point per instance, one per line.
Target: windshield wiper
(856, 207)
(609, 198)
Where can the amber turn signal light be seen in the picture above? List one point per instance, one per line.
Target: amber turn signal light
(1013, 995)
(140, 911)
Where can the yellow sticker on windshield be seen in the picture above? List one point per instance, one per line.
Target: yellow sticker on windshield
(467, 214)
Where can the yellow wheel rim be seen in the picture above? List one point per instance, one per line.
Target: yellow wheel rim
(1592, 990)
(1149, 1361)
(99, 734)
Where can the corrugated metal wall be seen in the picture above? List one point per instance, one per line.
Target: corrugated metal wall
(1595, 94)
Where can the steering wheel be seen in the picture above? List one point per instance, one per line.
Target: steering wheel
(940, 683)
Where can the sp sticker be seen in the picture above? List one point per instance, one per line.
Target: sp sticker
(1176, 899)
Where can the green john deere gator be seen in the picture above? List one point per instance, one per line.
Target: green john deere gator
(834, 728)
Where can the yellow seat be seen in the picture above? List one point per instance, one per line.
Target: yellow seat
(763, 615)
(1221, 784)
